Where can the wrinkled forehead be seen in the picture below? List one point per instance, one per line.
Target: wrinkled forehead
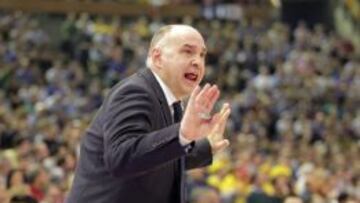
(184, 36)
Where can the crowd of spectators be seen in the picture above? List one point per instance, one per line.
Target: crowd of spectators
(161, 2)
(352, 13)
(353, 7)
(295, 95)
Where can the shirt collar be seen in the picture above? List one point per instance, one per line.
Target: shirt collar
(170, 97)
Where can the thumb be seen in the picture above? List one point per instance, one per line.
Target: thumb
(221, 145)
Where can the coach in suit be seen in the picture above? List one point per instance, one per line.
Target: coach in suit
(137, 148)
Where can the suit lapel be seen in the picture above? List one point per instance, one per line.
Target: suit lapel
(150, 78)
(179, 164)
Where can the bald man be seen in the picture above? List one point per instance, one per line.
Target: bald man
(140, 142)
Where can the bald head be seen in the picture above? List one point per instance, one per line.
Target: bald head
(165, 32)
(177, 55)
(167, 35)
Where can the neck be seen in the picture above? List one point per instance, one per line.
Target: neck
(164, 82)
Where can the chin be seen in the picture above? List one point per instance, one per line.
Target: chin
(188, 86)
(188, 90)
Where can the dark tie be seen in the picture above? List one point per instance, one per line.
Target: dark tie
(177, 111)
(177, 118)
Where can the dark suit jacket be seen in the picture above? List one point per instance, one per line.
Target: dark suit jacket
(131, 151)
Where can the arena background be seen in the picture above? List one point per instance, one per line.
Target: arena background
(290, 69)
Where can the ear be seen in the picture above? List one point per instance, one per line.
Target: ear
(156, 57)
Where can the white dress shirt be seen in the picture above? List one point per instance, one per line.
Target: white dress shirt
(171, 99)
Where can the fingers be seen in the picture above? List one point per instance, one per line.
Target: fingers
(213, 96)
(215, 122)
(220, 119)
(221, 145)
(197, 121)
(194, 94)
(216, 136)
(207, 97)
(225, 113)
(200, 98)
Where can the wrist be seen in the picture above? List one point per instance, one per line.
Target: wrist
(185, 134)
(183, 140)
(212, 147)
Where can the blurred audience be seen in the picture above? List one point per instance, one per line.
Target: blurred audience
(295, 94)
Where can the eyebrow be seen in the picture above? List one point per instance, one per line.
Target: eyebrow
(192, 47)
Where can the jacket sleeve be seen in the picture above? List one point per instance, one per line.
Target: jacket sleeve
(131, 147)
(200, 155)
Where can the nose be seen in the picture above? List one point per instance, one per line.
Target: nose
(197, 61)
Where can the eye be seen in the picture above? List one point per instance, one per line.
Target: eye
(187, 51)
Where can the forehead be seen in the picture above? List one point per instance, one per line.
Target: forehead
(186, 38)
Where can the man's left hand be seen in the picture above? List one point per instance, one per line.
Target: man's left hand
(216, 135)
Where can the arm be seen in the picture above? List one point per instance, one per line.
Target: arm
(200, 155)
(130, 146)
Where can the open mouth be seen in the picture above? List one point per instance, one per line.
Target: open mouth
(191, 76)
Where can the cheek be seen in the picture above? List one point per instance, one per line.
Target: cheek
(179, 77)
(202, 72)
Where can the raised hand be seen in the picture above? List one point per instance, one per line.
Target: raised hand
(216, 135)
(197, 121)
